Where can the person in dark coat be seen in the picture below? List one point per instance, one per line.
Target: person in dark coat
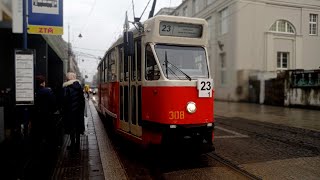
(42, 130)
(73, 110)
(42, 126)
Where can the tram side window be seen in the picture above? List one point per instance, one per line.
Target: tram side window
(121, 63)
(109, 68)
(114, 66)
(126, 68)
(98, 78)
(133, 63)
(152, 69)
(139, 59)
(105, 69)
(112, 76)
(100, 73)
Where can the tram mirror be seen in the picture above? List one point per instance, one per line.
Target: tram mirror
(128, 43)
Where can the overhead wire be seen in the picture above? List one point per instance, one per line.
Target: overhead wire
(90, 13)
(87, 20)
(145, 8)
(89, 49)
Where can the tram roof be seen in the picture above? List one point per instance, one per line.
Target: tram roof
(156, 20)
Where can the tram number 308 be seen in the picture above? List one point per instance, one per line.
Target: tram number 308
(176, 115)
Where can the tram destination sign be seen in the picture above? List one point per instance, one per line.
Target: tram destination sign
(180, 29)
(24, 77)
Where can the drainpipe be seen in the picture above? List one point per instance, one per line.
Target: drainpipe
(262, 88)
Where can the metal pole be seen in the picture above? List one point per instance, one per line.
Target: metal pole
(25, 29)
(69, 65)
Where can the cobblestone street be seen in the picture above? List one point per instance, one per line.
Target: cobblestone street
(261, 147)
(271, 151)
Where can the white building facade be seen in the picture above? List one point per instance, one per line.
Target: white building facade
(256, 37)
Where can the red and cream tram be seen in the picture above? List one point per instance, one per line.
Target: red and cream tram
(161, 92)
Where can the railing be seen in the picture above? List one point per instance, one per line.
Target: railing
(304, 79)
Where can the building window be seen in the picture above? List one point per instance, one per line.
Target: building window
(210, 26)
(282, 60)
(195, 7)
(223, 69)
(185, 11)
(282, 26)
(224, 21)
(210, 1)
(313, 24)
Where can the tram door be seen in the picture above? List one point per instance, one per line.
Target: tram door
(135, 91)
(130, 91)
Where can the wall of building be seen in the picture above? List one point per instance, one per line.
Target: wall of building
(311, 44)
(303, 97)
(254, 42)
(1, 18)
(250, 46)
(226, 47)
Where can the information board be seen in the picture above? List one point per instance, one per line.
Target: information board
(180, 29)
(24, 77)
(45, 17)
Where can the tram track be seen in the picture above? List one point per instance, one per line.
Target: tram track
(233, 166)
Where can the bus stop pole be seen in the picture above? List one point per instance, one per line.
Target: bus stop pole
(25, 30)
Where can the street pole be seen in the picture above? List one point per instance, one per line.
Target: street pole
(69, 48)
(25, 28)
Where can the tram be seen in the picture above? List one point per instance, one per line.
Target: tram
(155, 85)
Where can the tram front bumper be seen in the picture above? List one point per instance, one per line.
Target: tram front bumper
(194, 138)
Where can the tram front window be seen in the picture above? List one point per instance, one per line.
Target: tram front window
(181, 62)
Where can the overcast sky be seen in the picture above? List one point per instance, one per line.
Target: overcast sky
(100, 22)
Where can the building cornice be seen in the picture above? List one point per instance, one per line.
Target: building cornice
(215, 7)
(5, 9)
(287, 3)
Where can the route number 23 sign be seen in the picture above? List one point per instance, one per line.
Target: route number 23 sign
(205, 87)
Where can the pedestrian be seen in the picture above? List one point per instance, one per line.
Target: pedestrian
(42, 130)
(73, 110)
(86, 90)
(42, 125)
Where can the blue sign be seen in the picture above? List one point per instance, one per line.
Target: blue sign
(45, 17)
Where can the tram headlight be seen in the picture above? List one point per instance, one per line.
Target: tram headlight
(191, 107)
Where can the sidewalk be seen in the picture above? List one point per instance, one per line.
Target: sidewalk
(97, 158)
(293, 117)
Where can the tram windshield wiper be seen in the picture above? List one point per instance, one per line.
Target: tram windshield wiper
(174, 66)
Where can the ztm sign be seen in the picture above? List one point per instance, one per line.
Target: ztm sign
(45, 17)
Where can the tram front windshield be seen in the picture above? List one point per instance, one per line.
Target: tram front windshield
(182, 62)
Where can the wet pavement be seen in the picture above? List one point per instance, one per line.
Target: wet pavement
(294, 117)
(83, 165)
(112, 167)
(96, 160)
(269, 142)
